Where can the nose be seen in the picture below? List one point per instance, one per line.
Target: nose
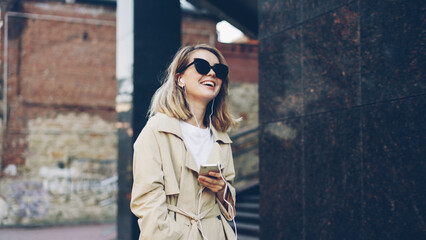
(211, 73)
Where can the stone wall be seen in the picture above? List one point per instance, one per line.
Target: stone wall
(69, 174)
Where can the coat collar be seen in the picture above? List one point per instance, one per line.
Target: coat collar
(172, 125)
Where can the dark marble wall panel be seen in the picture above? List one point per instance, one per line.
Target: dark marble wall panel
(279, 76)
(331, 56)
(394, 138)
(277, 15)
(393, 49)
(333, 175)
(281, 209)
(313, 8)
(359, 149)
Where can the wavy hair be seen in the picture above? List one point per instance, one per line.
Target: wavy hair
(170, 97)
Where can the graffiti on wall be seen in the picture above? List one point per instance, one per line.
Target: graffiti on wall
(82, 176)
(60, 190)
(27, 199)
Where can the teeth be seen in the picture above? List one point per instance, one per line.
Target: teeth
(211, 84)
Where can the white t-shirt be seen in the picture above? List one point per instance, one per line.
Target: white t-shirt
(198, 141)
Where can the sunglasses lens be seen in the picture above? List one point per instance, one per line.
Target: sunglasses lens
(202, 66)
(221, 71)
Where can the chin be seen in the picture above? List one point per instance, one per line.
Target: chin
(209, 98)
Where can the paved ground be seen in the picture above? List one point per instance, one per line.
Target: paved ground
(78, 232)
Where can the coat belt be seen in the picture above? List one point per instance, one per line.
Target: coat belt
(195, 219)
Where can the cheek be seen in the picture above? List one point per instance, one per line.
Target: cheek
(219, 83)
(221, 86)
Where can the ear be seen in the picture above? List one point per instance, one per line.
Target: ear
(180, 82)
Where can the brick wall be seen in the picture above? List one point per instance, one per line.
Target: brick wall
(243, 61)
(198, 29)
(57, 66)
(60, 141)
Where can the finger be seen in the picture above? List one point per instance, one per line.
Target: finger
(215, 174)
(209, 186)
(211, 183)
(208, 180)
(216, 182)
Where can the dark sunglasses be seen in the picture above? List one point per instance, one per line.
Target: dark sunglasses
(203, 67)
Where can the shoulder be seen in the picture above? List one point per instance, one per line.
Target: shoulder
(158, 121)
(149, 130)
(221, 136)
(158, 124)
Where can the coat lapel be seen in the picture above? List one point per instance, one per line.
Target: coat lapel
(220, 138)
(172, 126)
(190, 162)
(169, 125)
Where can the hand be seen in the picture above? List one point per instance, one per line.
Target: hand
(215, 183)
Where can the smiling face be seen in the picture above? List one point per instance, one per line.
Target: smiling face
(201, 88)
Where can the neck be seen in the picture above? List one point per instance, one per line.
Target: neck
(198, 111)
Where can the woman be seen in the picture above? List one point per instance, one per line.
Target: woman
(187, 128)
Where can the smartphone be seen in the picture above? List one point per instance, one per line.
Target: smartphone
(205, 168)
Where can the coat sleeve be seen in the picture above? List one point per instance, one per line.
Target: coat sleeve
(229, 212)
(148, 201)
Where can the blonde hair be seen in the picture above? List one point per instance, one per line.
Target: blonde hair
(170, 97)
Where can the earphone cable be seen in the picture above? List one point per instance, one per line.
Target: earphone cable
(229, 204)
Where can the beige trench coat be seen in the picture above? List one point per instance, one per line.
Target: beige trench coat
(166, 192)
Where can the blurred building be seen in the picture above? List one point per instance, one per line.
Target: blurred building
(59, 121)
